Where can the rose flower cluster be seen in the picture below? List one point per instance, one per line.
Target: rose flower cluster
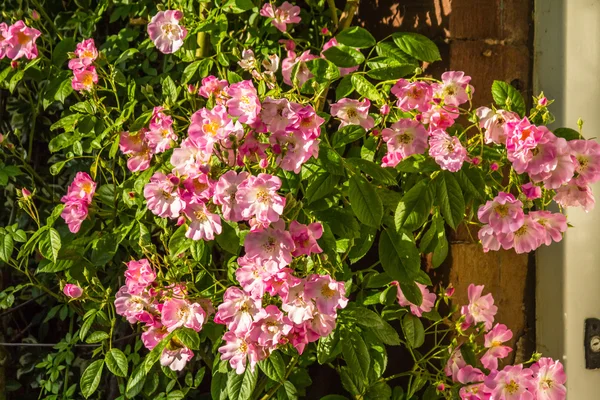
(161, 310)
(77, 201)
(84, 73)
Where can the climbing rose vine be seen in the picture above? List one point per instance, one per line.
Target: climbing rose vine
(241, 196)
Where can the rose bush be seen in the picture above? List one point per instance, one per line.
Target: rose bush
(212, 198)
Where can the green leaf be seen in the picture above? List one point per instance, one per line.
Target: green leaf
(228, 239)
(63, 91)
(169, 90)
(413, 331)
(330, 160)
(414, 207)
(348, 134)
(188, 337)
(136, 381)
(116, 362)
(567, 133)
(471, 181)
(189, 71)
(126, 55)
(412, 292)
(389, 51)
(507, 96)
(399, 255)
(440, 252)
(391, 72)
(356, 354)
(417, 45)
(218, 385)
(97, 337)
(366, 88)
(387, 176)
(232, 77)
(55, 242)
(378, 391)
(450, 199)
(323, 69)
(60, 53)
(273, 366)
(327, 348)
(240, 387)
(365, 202)
(350, 383)
(344, 56)
(356, 37)
(344, 88)
(324, 184)
(90, 379)
(6, 246)
(373, 321)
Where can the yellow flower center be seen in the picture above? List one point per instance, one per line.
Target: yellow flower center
(501, 210)
(22, 38)
(327, 292)
(211, 128)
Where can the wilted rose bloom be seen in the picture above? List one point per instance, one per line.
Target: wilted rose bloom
(19, 41)
(165, 31)
(571, 195)
(85, 79)
(72, 291)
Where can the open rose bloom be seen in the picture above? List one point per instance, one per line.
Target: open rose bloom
(166, 32)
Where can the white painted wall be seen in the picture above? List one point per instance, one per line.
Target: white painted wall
(567, 68)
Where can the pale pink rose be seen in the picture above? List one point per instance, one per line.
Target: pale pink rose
(257, 197)
(270, 326)
(213, 86)
(493, 342)
(248, 61)
(477, 391)
(447, 151)
(203, 224)
(192, 157)
(175, 357)
(240, 351)
(571, 195)
(493, 123)
(133, 307)
(470, 374)
(528, 237)
(440, 117)
(555, 224)
(160, 134)
(19, 41)
(319, 326)
(74, 213)
(282, 15)
(412, 95)
(243, 102)
(343, 71)
(137, 147)
(480, 308)
(455, 363)
(543, 158)
(550, 379)
(225, 194)
(162, 195)
(84, 79)
(86, 53)
(426, 305)
(270, 244)
(212, 125)
(512, 383)
(305, 238)
(287, 66)
(326, 293)
(531, 191)
(404, 138)
(139, 276)
(83, 187)
(521, 138)
(504, 214)
(177, 313)
(198, 188)
(304, 119)
(586, 157)
(237, 310)
(453, 89)
(154, 335)
(277, 114)
(254, 274)
(3, 36)
(293, 150)
(297, 303)
(353, 112)
(489, 239)
(165, 31)
(72, 291)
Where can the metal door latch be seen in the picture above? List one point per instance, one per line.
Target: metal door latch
(592, 343)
